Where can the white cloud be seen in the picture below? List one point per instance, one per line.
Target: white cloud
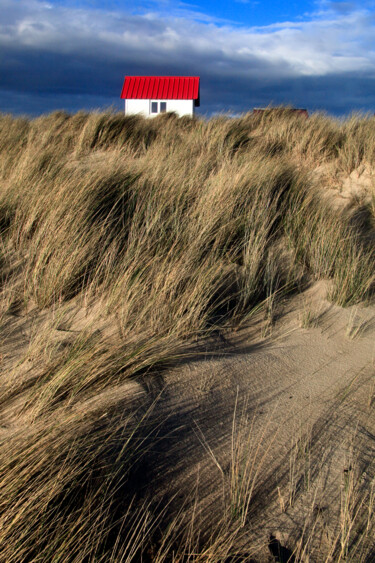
(333, 41)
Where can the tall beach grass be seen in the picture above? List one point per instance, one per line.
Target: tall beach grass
(163, 231)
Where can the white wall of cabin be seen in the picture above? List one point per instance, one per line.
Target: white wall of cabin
(137, 106)
(181, 107)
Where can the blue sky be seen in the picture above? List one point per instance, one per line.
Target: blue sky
(236, 12)
(241, 12)
(65, 54)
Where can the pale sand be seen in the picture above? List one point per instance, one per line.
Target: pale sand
(306, 395)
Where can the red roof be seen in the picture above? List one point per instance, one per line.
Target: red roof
(161, 87)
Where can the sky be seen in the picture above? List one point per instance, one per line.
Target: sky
(73, 55)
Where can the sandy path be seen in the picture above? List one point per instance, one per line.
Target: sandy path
(303, 401)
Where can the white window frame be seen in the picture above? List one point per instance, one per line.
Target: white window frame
(158, 106)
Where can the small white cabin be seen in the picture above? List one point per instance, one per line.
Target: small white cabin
(151, 95)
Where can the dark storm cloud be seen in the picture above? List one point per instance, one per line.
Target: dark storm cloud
(337, 95)
(55, 57)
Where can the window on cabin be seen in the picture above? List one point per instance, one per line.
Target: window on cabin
(158, 107)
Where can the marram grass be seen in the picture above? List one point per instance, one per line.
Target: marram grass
(166, 230)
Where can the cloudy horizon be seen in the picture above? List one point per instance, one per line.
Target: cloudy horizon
(74, 55)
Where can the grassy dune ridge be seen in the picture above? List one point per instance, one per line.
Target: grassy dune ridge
(162, 231)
